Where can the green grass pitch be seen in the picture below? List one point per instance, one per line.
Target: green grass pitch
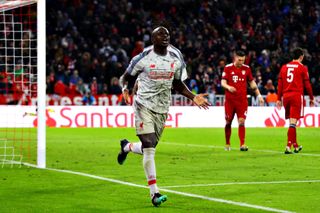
(188, 160)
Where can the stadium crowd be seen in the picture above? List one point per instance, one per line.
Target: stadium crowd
(90, 42)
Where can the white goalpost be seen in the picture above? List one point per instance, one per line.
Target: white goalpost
(41, 21)
(23, 75)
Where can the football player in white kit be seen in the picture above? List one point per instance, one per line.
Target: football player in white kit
(159, 68)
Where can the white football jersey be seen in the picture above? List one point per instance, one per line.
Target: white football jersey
(155, 76)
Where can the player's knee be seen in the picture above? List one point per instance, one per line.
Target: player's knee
(148, 140)
(228, 122)
(241, 121)
(228, 125)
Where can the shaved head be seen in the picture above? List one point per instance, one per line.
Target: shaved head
(159, 28)
(160, 38)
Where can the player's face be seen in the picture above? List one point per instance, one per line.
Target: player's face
(161, 37)
(239, 60)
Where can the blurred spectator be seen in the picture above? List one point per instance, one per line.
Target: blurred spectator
(94, 86)
(211, 91)
(81, 87)
(60, 88)
(137, 49)
(88, 99)
(74, 79)
(50, 85)
(269, 86)
(193, 86)
(101, 41)
(115, 87)
(271, 98)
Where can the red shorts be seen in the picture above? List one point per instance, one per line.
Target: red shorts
(293, 105)
(233, 107)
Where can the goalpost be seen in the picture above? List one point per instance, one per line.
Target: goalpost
(23, 75)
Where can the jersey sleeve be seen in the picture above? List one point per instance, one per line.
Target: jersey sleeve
(306, 82)
(225, 74)
(181, 72)
(136, 64)
(249, 75)
(280, 84)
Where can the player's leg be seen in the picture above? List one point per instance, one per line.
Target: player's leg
(149, 142)
(134, 147)
(159, 123)
(229, 115)
(293, 111)
(242, 134)
(292, 136)
(147, 127)
(296, 112)
(125, 145)
(241, 111)
(287, 106)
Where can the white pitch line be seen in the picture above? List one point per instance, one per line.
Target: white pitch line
(242, 183)
(165, 190)
(222, 147)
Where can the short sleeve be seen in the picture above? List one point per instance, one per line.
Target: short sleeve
(249, 75)
(181, 73)
(224, 74)
(136, 64)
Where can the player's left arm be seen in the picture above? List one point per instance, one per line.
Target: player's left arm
(254, 87)
(198, 99)
(308, 86)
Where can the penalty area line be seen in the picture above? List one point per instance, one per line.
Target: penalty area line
(230, 202)
(222, 147)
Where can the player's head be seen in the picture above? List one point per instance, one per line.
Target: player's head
(239, 58)
(160, 37)
(298, 54)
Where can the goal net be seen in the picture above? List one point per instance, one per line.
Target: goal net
(18, 81)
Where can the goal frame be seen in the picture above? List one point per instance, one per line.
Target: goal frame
(6, 5)
(41, 81)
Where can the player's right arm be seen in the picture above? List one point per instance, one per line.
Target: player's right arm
(224, 81)
(123, 81)
(280, 89)
(225, 85)
(135, 67)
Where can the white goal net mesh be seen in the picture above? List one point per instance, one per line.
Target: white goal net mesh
(18, 78)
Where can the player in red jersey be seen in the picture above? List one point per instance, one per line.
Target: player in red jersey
(235, 78)
(292, 81)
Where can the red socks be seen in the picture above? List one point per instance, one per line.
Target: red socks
(241, 133)
(227, 130)
(292, 136)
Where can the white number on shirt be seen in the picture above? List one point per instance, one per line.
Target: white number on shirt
(290, 74)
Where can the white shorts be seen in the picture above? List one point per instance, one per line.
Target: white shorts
(147, 121)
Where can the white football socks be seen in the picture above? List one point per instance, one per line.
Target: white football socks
(150, 169)
(134, 147)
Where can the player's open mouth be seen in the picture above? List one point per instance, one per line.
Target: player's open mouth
(166, 42)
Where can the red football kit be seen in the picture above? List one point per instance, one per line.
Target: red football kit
(236, 102)
(293, 78)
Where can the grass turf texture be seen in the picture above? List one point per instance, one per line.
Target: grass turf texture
(94, 151)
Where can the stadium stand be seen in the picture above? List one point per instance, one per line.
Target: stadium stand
(90, 51)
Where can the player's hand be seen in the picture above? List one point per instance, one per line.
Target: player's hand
(126, 96)
(201, 101)
(312, 103)
(261, 100)
(231, 89)
(278, 105)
